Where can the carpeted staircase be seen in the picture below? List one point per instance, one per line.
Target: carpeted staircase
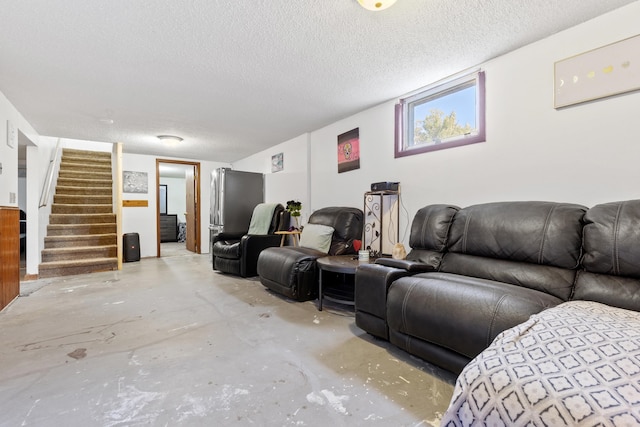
(82, 235)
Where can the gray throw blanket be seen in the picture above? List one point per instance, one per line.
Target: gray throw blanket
(261, 218)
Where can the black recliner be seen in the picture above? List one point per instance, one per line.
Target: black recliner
(291, 270)
(428, 242)
(237, 253)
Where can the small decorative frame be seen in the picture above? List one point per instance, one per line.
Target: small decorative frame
(135, 182)
(277, 162)
(12, 134)
(599, 73)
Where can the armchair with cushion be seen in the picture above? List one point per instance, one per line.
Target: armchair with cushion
(237, 253)
(291, 270)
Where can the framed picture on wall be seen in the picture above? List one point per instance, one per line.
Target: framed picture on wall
(277, 162)
(349, 150)
(163, 199)
(603, 72)
(135, 182)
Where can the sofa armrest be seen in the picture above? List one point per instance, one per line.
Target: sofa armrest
(251, 246)
(228, 236)
(410, 266)
(372, 283)
(290, 271)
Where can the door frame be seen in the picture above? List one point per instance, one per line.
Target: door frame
(196, 173)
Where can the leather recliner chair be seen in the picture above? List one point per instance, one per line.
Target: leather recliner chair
(428, 243)
(291, 270)
(237, 253)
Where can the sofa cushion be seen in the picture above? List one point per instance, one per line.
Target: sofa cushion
(460, 313)
(429, 234)
(552, 280)
(347, 225)
(543, 233)
(430, 227)
(290, 271)
(611, 255)
(612, 239)
(316, 236)
(573, 365)
(521, 243)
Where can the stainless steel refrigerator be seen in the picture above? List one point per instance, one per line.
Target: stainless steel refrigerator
(234, 195)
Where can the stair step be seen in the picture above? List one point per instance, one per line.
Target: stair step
(82, 191)
(63, 208)
(75, 252)
(85, 161)
(82, 160)
(83, 199)
(80, 229)
(79, 174)
(80, 266)
(85, 182)
(51, 242)
(85, 167)
(98, 218)
(85, 153)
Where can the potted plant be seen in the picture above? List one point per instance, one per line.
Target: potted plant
(294, 207)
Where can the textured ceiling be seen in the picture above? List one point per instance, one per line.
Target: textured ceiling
(235, 77)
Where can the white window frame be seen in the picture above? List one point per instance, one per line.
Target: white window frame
(405, 121)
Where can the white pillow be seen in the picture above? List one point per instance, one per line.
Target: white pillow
(316, 236)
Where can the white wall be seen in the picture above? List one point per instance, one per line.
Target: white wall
(142, 220)
(176, 196)
(9, 155)
(9, 175)
(584, 154)
(291, 183)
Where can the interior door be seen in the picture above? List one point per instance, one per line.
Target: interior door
(191, 217)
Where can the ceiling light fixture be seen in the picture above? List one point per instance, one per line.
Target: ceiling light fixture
(376, 4)
(170, 138)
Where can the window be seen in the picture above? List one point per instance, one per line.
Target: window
(444, 116)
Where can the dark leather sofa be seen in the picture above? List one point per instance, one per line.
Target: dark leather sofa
(237, 253)
(475, 272)
(291, 270)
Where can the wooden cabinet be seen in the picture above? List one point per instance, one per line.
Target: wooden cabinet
(9, 255)
(168, 228)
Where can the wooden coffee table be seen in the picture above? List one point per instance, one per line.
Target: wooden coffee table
(343, 264)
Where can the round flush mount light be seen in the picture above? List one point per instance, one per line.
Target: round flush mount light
(170, 138)
(376, 5)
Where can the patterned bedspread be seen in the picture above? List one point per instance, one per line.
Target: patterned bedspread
(577, 364)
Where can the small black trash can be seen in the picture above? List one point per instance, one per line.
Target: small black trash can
(131, 247)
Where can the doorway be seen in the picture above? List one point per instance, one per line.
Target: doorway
(177, 207)
(28, 197)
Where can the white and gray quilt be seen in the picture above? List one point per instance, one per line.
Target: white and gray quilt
(577, 364)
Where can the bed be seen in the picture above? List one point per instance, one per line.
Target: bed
(576, 364)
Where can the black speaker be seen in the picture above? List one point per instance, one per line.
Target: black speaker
(385, 186)
(131, 247)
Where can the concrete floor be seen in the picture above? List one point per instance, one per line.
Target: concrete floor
(167, 341)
